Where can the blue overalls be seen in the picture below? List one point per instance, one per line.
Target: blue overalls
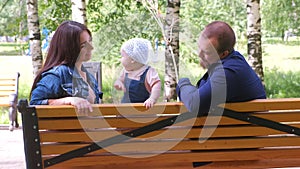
(136, 91)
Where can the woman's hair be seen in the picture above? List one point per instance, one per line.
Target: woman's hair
(64, 47)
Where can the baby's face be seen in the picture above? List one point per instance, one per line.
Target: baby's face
(126, 60)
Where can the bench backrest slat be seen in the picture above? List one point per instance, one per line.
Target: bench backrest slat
(226, 131)
(8, 86)
(62, 130)
(265, 105)
(74, 123)
(111, 109)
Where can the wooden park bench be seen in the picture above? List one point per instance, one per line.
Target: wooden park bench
(262, 133)
(9, 84)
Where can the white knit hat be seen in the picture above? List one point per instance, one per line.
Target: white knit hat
(138, 49)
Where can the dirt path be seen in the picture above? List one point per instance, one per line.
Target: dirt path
(11, 149)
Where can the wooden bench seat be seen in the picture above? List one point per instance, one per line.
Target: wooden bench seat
(9, 84)
(257, 134)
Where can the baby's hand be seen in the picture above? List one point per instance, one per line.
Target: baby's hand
(119, 85)
(149, 103)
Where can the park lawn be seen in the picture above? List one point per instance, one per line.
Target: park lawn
(12, 49)
(281, 57)
(21, 64)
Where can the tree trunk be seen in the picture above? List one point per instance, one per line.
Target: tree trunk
(254, 36)
(34, 35)
(79, 11)
(172, 49)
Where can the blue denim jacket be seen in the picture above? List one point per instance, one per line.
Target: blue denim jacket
(62, 81)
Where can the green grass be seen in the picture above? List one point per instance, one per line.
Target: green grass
(282, 84)
(4, 119)
(281, 57)
(12, 49)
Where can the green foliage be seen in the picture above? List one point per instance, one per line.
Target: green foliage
(24, 91)
(121, 20)
(53, 12)
(281, 84)
(135, 22)
(282, 13)
(111, 10)
(196, 14)
(13, 18)
(200, 13)
(4, 119)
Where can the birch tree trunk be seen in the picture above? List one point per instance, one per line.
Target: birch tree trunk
(34, 35)
(172, 49)
(79, 11)
(21, 3)
(254, 36)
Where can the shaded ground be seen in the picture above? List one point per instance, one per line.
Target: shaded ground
(11, 149)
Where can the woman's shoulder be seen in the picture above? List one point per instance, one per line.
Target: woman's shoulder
(59, 70)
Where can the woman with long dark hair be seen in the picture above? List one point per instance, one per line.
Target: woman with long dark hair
(63, 80)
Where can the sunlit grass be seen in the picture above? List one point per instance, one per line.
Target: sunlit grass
(12, 49)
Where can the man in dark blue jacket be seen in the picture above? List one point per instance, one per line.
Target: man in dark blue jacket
(229, 77)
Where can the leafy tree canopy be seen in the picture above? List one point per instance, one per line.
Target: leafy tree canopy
(279, 16)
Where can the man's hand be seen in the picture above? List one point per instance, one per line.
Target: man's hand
(182, 82)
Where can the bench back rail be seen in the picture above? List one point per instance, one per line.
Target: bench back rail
(130, 136)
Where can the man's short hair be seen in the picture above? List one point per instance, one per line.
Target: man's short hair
(223, 33)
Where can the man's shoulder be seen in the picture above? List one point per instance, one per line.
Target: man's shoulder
(234, 59)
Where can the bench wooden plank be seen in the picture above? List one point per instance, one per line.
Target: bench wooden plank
(184, 158)
(67, 123)
(7, 82)
(88, 136)
(62, 131)
(111, 109)
(184, 145)
(265, 105)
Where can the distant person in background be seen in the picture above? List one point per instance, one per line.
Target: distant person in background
(63, 80)
(139, 82)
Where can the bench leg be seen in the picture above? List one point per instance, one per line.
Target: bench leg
(13, 119)
(13, 116)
